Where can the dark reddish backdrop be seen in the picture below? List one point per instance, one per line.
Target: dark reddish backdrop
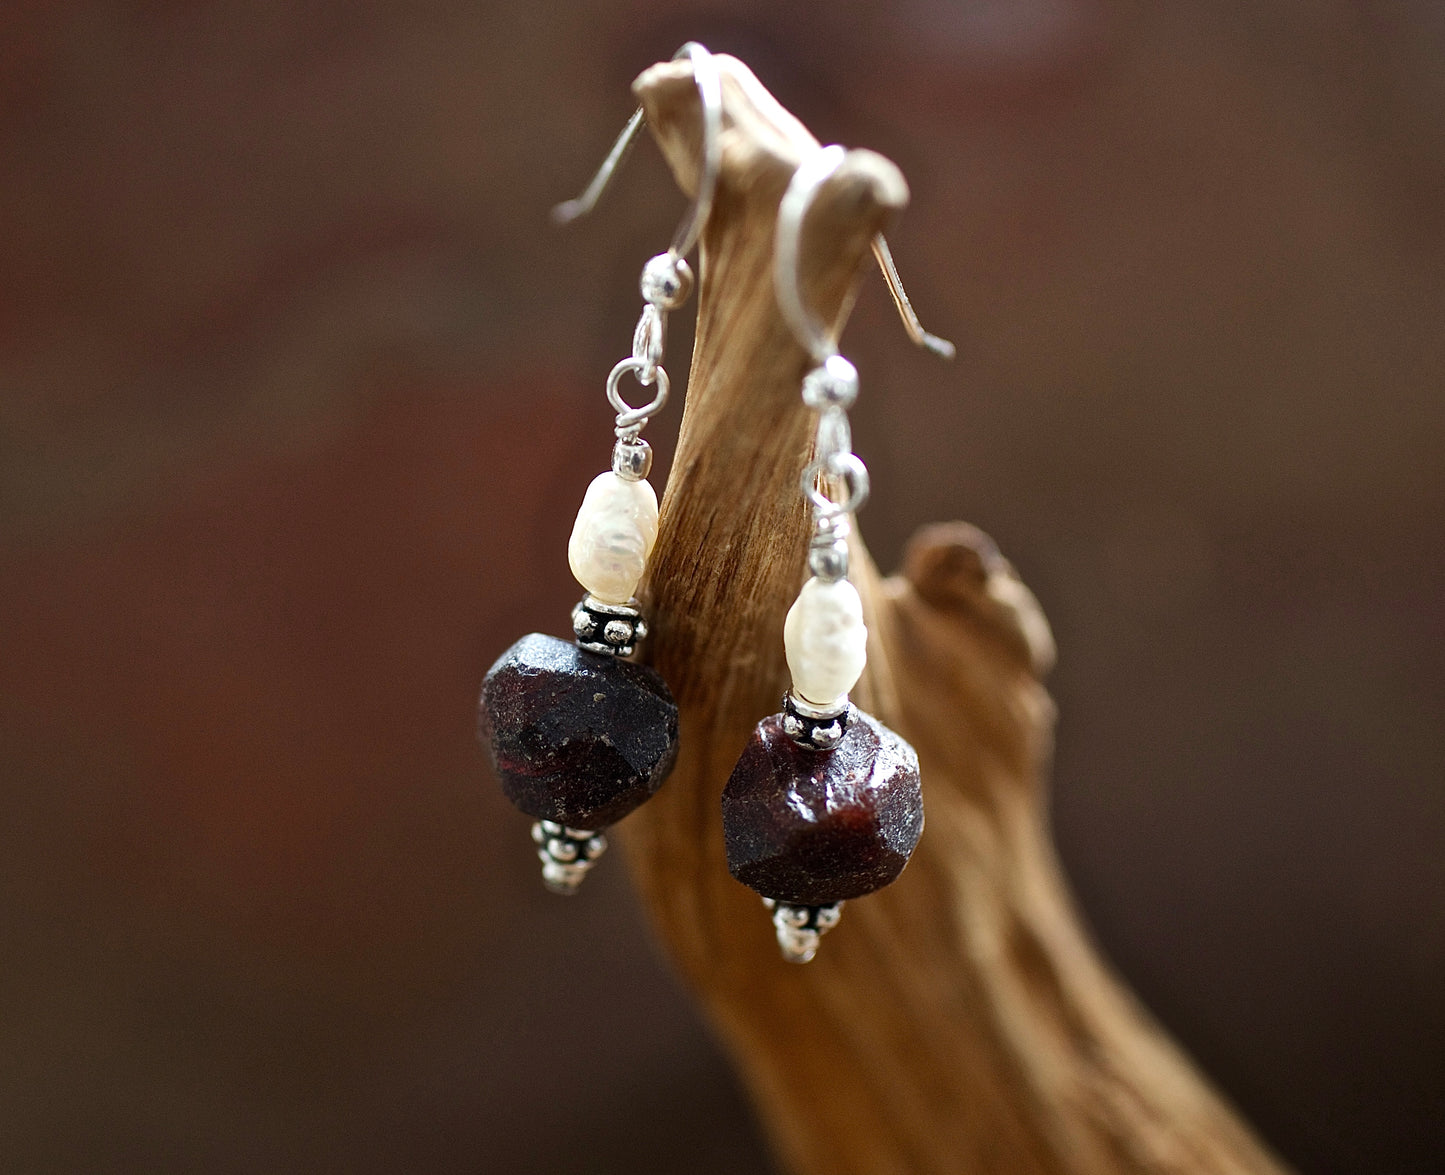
(300, 390)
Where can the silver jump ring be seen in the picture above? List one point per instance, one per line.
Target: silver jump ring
(628, 417)
(847, 466)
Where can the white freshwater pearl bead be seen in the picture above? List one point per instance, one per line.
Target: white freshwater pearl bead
(613, 536)
(826, 641)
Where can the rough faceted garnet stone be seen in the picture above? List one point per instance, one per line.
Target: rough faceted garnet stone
(576, 737)
(815, 827)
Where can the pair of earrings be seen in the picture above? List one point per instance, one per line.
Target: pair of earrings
(825, 802)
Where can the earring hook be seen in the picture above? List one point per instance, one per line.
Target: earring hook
(709, 88)
(810, 175)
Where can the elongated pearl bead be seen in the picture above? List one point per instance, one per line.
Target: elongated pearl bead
(826, 641)
(613, 536)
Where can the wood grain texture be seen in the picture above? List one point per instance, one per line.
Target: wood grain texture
(959, 1020)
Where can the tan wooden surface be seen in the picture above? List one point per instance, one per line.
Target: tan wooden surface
(959, 1021)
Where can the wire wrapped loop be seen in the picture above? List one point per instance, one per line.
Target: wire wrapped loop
(629, 419)
(847, 468)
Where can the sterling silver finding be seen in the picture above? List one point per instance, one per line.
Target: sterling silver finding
(825, 803)
(579, 735)
(667, 279)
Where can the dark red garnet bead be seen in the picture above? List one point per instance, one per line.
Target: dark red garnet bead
(576, 737)
(813, 827)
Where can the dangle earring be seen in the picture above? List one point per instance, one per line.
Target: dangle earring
(825, 803)
(578, 736)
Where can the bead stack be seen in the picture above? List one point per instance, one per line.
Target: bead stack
(578, 736)
(825, 803)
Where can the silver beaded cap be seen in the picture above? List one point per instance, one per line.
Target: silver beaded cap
(800, 927)
(814, 727)
(610, 629)
(566, 854)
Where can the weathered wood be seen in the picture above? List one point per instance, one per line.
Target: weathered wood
(959, 1020)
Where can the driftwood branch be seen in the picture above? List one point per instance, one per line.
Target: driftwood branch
(959, 1020)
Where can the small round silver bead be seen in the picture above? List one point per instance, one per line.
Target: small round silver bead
(617, 632)
(834, 384)
(562, 850)
(829, 563)
(831, 528)
(566, 854)
(666, 281)
(632, 459)
(800, 927)
(795, 916)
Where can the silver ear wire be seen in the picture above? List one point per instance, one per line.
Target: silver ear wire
(709, 89)
(667, 279)
(831, 387)
(787, 242)
(810, 175)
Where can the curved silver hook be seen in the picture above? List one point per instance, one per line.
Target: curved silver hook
(802, 188)
(709, 88)
(810, 175)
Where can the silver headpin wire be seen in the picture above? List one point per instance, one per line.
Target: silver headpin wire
(666, 279)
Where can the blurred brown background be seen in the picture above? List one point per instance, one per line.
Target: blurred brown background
(298, 393)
